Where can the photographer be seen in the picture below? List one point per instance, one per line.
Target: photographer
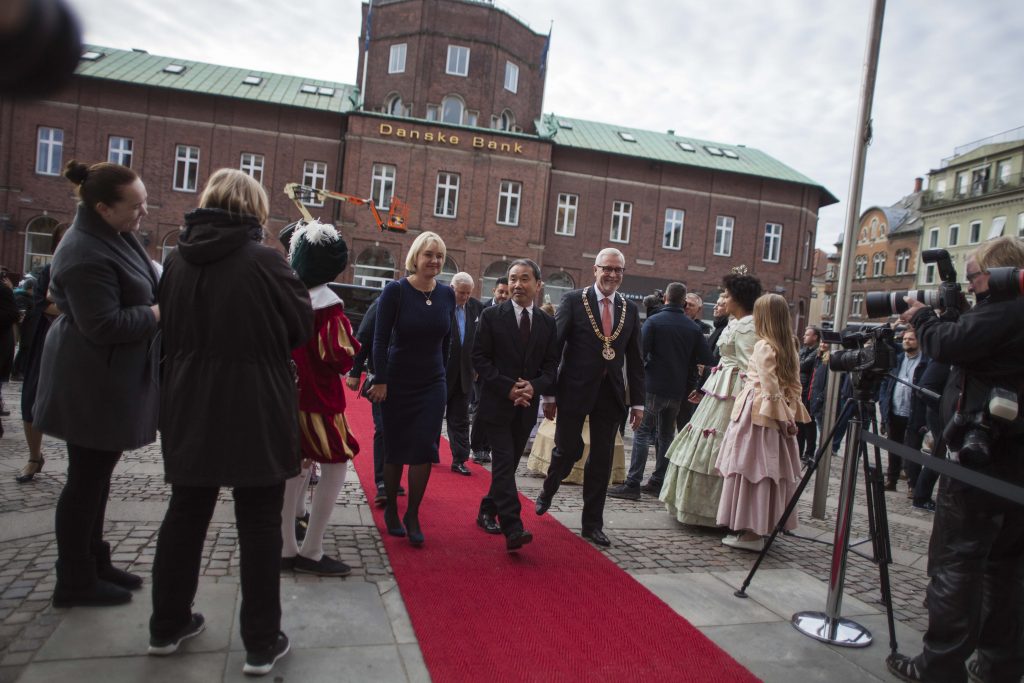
(976, 556)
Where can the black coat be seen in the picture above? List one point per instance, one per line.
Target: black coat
(583, 368)
(673, 345)
(364, 335)
(9, 313)
(232, 311)
(501, 359)
(459, 371)
(99, 374)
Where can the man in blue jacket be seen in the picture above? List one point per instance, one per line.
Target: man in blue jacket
(673, 346)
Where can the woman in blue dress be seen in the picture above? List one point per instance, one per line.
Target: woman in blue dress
(410, 352)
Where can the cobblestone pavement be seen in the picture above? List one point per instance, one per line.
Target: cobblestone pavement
(26, 563)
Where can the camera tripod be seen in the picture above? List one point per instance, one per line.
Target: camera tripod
(829, 626)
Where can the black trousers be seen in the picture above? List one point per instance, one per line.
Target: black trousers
(897, 431)
(457, 417)
(81, 510)
(807, 436)
(976, 593)
(508, 441)
(179, 551)
(605, 418)
(378, 444)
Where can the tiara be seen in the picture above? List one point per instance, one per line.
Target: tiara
(739, 270)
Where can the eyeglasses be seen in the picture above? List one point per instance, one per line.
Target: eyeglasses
(611, 270)
(972, 276)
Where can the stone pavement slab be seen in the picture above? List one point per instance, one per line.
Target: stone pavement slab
(704, 600)
(327, 615)
(786, 591)
(197, 668)
(366, 663)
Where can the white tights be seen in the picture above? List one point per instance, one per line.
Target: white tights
(332, 477)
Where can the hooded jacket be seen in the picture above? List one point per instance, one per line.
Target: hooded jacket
(231, 310)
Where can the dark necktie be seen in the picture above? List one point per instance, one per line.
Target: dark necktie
(524, 327)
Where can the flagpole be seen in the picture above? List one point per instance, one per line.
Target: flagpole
(860, 145)
(544, 68)
(366, 56)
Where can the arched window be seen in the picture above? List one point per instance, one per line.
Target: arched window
(506, 121)
(491, 275)
(557, 284)
(39, 243)
(168, 244)
(861, 267)
(902, 261)
(874, 228)
(452, 108)
(375, 267)
(879, 264)
(393, 105)
(448, 271)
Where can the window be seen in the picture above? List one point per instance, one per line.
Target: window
(1002, 172)
(772, 242)
(979, 181)
(565, 216)
(713, 151)
(508, 202)
(975, 232)
(472, 117)
(622, 216)
(382, 185)
(933, 238)
(686, 147)
(396, 64)
(996, 229)
(826, 306)
(326, 92)
(929, 274)
(91, 55)
(874, 228)
(252, 80)
(673, 235)
(940, 188)
(807, 251)
(830, 272)
(314, 174)
(723, 235)
(857, 306)
(961, 184)
(394, 105)
(50, 151)
(176, 69)
(731, 154)
(39, 243)
(902, 261)
(556, 285)
(433, 112)
(169, 244)
(375, 267)
(452, 109)
(308, 89)
(954, 235)
(119, 151)
(458, 60)
(252, 164)
(878, 264)
(511, 77)
(860, 267)
(1020, 225)
(186, 168)
(446, 200)
(507, 121)
(627, 137)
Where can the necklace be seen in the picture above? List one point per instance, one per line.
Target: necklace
(607, 352)
(426, 295)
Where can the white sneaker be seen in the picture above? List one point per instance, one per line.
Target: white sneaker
(735, 542)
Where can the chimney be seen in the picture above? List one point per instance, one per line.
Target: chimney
(917, 185)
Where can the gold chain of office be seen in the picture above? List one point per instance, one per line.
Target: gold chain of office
(608, 352)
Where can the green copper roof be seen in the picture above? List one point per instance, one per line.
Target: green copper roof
(142, 68)
(670, 148)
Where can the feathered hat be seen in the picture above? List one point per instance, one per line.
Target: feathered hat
(316, 251)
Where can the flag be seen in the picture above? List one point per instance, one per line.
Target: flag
(544, 52)
(369, 15)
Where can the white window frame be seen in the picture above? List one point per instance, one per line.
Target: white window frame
(975, 235)
(672, 236)
(772, 251)
(997, 227)
(724, 227)
(446, 196)
(49, 150)
(314, 174)
(878, 264)
(511, 77)
(433, 112)
(857, 305)
(565, 214)
(860, 267)
(1003, 169)
(252, 165)
(929, 274)
(510, 193)
(902, 261)
(448, 99)
(940, 188)
(830, 272)
(954, 234)
(120, 150)
(396, 58)
(622, 219)
(1020, 225)
(455, 64)
(807, 251)
(963, 184)
(186, 168)
(382, 185)
(933, 238)
(826, 305)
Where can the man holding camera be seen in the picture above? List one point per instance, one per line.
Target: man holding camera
(976, 556)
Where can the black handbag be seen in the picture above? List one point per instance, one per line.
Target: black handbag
(364, 390)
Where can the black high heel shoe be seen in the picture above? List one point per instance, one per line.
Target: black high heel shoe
(415, 537)
(30, 470)
(395, 527)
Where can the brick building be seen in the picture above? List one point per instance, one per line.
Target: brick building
(449, 121)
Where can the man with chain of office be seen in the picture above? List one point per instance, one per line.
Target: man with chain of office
(600, 374)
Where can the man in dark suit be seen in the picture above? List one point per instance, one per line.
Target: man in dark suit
(478, 442)
(460, 369)
(673, 346)
(601, 373)
(516, 356)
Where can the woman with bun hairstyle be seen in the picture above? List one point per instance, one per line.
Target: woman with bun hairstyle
(98, 379)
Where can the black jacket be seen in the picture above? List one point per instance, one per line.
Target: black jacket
(459, 371)
(232, 310)
(672, 346)
(364, 335)
(918, 408)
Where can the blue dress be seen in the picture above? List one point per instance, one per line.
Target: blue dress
(410, 352)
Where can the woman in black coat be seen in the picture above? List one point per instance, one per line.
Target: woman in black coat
(232, 312)
(98, 378)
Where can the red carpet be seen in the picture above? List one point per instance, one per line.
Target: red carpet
(557, 610)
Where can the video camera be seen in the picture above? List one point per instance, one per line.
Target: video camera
(868, 353)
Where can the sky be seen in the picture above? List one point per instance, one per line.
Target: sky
(782, 76)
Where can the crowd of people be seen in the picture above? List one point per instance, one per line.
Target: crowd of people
(241, 359)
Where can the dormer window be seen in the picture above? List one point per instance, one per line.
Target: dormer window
(174, 69)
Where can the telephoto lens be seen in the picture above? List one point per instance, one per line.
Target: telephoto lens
(1006, 283)
(883, 304)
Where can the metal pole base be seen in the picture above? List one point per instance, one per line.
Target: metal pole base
(838, 631)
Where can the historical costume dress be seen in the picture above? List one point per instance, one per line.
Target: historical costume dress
(692, 486)
(759, 460)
